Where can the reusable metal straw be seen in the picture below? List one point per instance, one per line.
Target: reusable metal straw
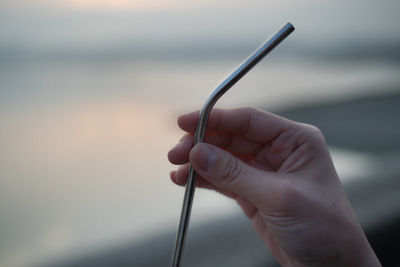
(235, 76)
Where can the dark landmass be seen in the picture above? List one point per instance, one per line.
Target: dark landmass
(369, 124)
(384, 51)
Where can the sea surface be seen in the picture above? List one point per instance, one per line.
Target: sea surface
(83, 161)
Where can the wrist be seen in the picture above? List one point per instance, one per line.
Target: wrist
(354, 250)
(359, 254)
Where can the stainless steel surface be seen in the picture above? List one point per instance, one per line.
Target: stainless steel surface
(235, 76)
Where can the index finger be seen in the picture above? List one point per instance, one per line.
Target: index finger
(255, 124)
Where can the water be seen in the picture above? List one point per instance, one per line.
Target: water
(83, 145)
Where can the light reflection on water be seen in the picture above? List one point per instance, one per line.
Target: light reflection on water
(83, 147)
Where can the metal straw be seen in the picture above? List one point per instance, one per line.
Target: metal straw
(235, 76)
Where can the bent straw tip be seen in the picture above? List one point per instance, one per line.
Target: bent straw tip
(290, 26)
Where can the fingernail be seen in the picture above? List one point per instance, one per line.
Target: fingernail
(205, 157)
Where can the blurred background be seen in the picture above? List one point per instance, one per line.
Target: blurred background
(89, 95)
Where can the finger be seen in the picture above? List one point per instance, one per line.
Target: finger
(233, 143)
(255, 124)
(179, 154)
(227, 172)
(180, 177)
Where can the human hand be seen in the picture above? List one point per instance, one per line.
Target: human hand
(281, 174)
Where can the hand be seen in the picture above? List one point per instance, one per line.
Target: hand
(280, 172)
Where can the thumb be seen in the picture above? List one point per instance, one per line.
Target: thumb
(226, 171)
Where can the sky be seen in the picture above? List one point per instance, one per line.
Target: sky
(146, 26)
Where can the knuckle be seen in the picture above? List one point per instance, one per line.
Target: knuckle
(250, 110)
(230, 172)
(251, 114)
(313, 133)
(246, 109)
(312, 129)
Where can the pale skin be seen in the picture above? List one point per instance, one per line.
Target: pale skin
(281, 174)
